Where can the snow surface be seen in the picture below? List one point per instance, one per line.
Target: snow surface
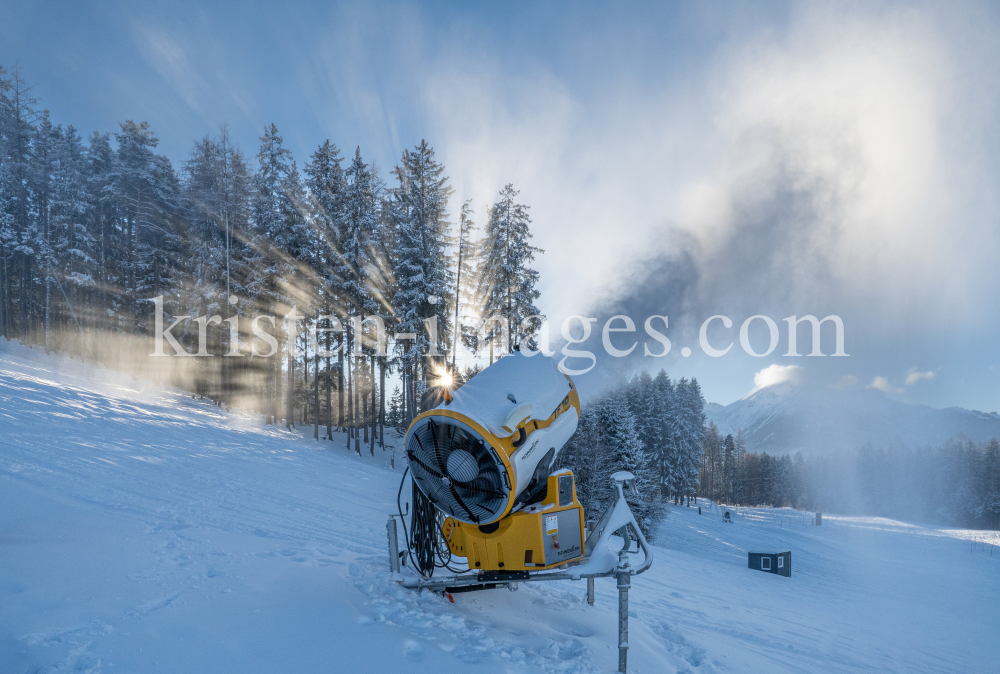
(143, 531)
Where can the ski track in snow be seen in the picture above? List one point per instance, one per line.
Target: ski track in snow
(142, 530)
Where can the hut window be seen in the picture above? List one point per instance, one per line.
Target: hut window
(765, 563)
(781, 562)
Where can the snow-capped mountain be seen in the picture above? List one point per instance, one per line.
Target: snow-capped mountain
(807, 417)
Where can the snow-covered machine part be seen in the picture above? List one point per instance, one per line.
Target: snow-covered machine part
(513, 382)
(603, 556)
(491, 447)
(600, 561)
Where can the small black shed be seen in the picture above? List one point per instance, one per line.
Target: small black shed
(776, 562)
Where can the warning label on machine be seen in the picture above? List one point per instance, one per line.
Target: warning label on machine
(551, 524)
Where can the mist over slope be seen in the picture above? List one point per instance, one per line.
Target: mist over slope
(805, 416)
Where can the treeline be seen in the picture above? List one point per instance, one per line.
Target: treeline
(956, 484)
(93, 230)
(652, 427)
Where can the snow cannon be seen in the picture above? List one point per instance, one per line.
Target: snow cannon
(490, 449)
(487, 488)
(486, 458)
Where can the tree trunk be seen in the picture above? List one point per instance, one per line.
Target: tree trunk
(340, 386)
(329, 396)
(48, 312)
(276, 366)
(348, 422)
(316, 386)
(364, 415)
(374, 422)
(290, 395)
(381, 403)
(356, 402)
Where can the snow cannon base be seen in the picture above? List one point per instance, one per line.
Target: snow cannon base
(597, 561)
(541, 536)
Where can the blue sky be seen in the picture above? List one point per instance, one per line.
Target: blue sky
(687, 159)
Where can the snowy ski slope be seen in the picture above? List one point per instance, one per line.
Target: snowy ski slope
(143, 531)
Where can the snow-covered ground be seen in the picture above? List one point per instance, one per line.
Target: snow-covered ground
(143, 531)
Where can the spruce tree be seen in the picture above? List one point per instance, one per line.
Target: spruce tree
(506, 282)
(729, 467)
(466, 252)
(626, 452)
(273, 236)
(423, 278)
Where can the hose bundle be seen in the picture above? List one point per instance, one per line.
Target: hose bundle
(423, 533)
(425, 545)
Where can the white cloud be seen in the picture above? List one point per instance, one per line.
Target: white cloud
(912, 376)
(777, 374)
(882, 384)
(846, 381)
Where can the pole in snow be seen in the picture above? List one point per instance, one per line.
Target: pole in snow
(624, 583)
(390, 527)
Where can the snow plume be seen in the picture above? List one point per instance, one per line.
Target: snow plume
(777, 374)
(803, 159)
(817, 175)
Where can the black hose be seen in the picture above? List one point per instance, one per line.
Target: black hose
(424, 545)
(423, 532)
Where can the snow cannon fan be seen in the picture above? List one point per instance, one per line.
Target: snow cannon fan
(485, 458)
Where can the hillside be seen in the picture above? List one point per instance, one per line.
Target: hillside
(807, 417)
(143, 531)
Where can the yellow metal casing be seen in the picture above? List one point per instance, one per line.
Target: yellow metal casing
(504, 448)
(542, 536)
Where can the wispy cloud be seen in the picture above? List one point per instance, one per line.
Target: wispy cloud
(777, 374)
(171, 60)
(846, 381)
(882, 384)
(913, 376)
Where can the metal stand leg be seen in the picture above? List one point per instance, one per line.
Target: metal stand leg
(390, 528)
(588, 528)
(624, 583)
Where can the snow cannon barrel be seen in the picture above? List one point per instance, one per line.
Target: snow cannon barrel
(492, 447)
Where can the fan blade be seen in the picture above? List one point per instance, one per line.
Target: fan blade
(413, 457)
(479, 490)
(462, 503)
(437, 447)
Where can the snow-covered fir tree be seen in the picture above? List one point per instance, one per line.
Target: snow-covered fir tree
(422, 297)
(465, 255)
(626, 450)
(506, 281)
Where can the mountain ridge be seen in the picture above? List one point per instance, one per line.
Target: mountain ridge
(790, 417)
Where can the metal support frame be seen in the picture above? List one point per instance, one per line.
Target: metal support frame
(598, 562)
(624, 576)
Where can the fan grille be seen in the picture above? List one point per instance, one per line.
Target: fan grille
(457, 470)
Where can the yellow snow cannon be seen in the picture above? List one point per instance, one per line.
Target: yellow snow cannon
(487, 458)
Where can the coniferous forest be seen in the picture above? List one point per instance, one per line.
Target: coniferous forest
(304, 287)
(656, 429)
(955, 484)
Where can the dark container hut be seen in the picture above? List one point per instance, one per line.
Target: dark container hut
(779, 563)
